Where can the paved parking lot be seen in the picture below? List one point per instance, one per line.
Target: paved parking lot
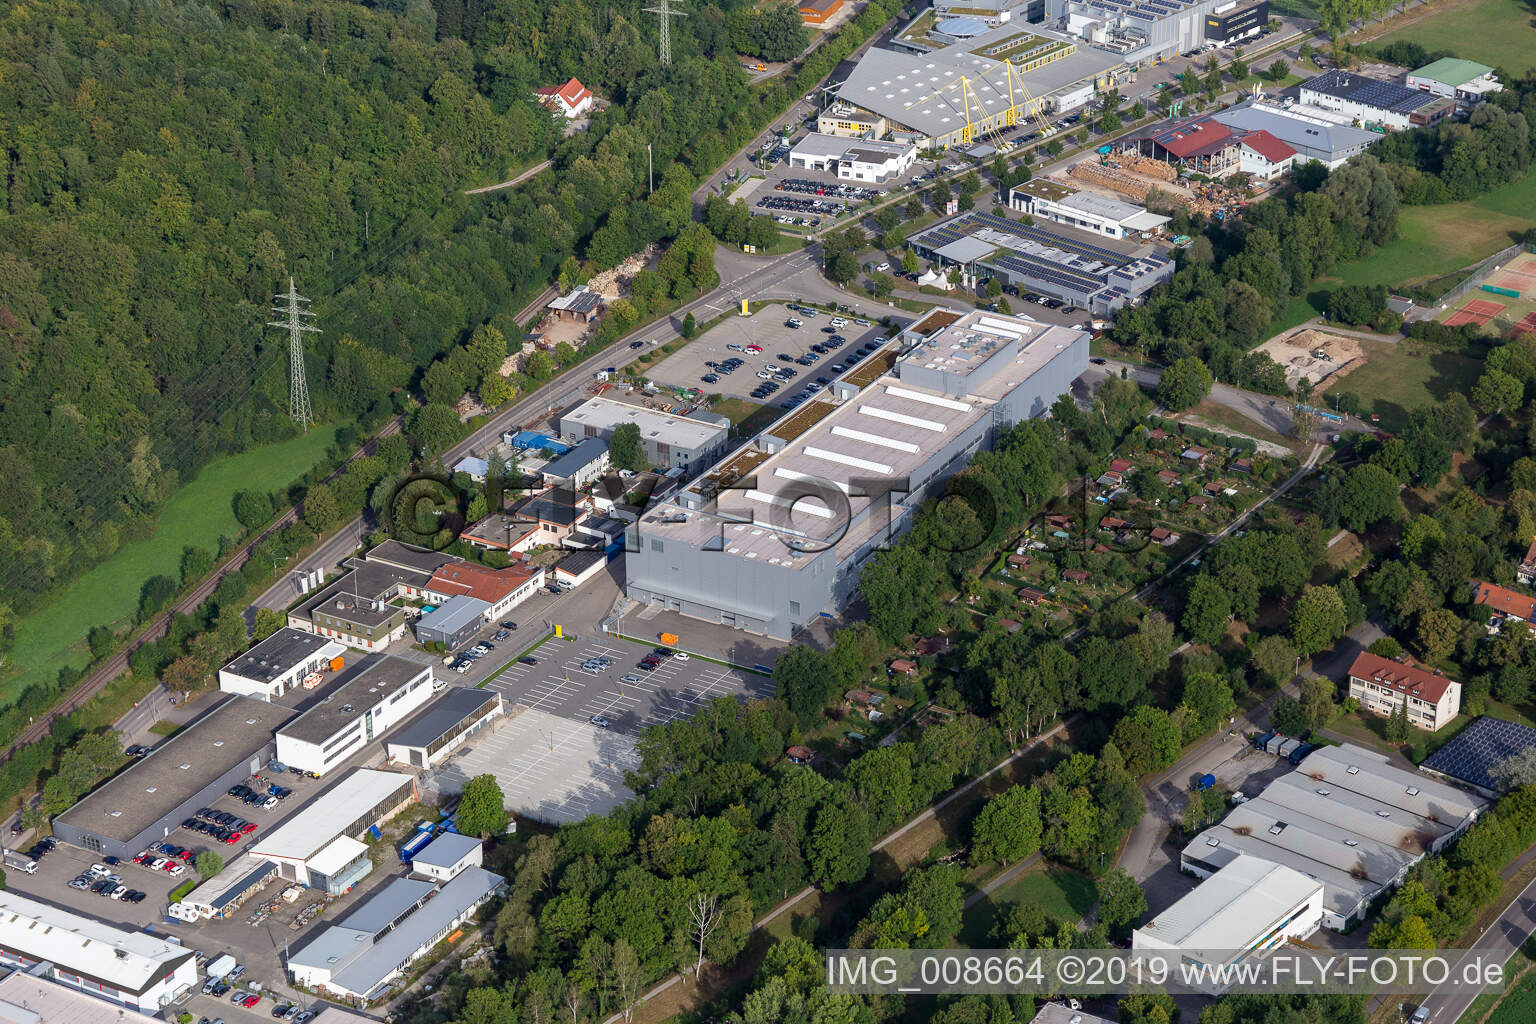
(559, 685)
(781, 345)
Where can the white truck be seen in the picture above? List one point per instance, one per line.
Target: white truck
(220, 966)
(20, 862)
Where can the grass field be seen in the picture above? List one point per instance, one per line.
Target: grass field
(1518, 1005)
(1431, 242)
(198, 515)
(1493, 32)
(1058, 892)
(1393, 383)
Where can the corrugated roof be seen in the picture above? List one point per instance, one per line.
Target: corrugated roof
(1234, 907)
(446, 850)
(319, 822)
(1452, 71)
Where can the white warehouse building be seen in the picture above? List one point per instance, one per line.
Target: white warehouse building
(319, 846)
(130, 969)
(1247, 908)
(1049, 199)
(286, 659)
(379, 696)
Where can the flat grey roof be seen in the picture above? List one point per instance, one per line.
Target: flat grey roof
(277, 654)
(453, 614)
(678, 431)
(375, 678)
(446, 850)
(392, 552)
(1300, 132)
(578, 458)
(147, 790)
(922, 91)
(368, 971)
(581, 561)
(398, 896)
(442, 715)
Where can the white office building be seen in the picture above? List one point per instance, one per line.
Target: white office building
(318, 847)
(384, 691)
(1246, 909)
(683, 441)
(286, 659)
(1048, 199)
(26, 998)
(130, 969)
(861, 160)
(447, 855)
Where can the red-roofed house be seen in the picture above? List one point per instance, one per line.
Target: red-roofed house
(1503, 603)
(570, 100)
(1264, 156)
(502, 589)
(1382, 685)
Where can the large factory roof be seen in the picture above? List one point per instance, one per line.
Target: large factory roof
(678, 431)
(923, 91)
(1370, 92)
(888, 431)
(182, 766)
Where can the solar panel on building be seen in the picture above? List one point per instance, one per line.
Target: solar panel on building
(1475, 754)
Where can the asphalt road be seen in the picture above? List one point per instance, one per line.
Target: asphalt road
(1499, 942)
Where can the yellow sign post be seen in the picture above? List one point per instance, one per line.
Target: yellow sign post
(559, 631)
(744, 310)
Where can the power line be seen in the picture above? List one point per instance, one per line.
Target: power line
(666, 13)
(297, 326)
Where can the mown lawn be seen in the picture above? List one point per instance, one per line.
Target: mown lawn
(198, 515)
(1059, 892)
(1393, 383)
(1493, 32)
(1431, 241)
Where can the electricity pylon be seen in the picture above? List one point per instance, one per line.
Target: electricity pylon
(664, 9)
(296, 324)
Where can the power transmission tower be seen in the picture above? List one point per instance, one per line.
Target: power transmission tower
(296, 324)
(667, 14)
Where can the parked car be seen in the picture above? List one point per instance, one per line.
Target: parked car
(530, 660)
(600, 721)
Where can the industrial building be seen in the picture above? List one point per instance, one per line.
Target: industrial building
(682, 441)
(1056, 201)
(987, 13)
(501, 532)
(1475, 756)
(131, 969)
(360, 608)
(1064, 262)
(447, 855)
(861, 160)
(1148, 30)
(584, 463)
(1382, 686)
(1347, 818)
(361, 955)
(776, 535)
(319, 846)
(453, 622)
(939, 93)
(1465, 81)
(1371, 103)
(443, 726)
(383, 691)
(27, 997)
(149, 799)
(1260, 138)
(1244, 909)
(286, 659)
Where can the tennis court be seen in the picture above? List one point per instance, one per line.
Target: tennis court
(1519, 276)
(1478, 311)
(1527, 324)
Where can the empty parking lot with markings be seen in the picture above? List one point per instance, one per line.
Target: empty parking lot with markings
(628, 697)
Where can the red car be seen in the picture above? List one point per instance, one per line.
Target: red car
(231, 839)
(250, 1001)
(248, 828)
(754, 349)
(186, 855)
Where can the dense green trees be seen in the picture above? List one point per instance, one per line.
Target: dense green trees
(1184, 384)
(626, 448)
(481, 811)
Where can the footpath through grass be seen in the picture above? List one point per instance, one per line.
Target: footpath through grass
(1492, 32)
(197, 515)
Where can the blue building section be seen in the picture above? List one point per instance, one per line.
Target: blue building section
(532, 440)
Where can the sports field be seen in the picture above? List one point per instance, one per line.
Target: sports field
(197, 516)
(1500, 312)
(1392, 383)
(1493, 32)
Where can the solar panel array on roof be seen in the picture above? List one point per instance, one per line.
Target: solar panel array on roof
(1474, 755)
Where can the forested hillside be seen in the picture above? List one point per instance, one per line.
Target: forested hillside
(165, 165)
